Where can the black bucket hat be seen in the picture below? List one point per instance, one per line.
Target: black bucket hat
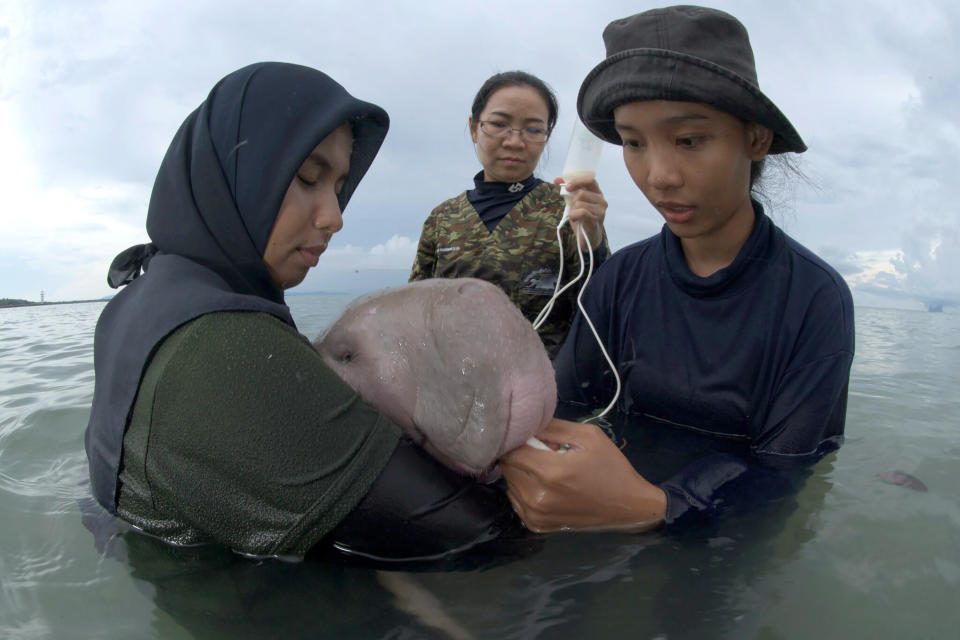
(684, 53)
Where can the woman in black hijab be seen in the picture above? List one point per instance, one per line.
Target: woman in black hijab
(213, 419)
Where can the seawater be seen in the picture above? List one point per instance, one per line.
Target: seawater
(849, 556)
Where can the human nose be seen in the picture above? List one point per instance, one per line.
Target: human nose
(327, 215)
(514, 137)
(663, 172)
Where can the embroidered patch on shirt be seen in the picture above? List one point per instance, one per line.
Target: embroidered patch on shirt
(516, 187)
(447, 249)
(540, 282)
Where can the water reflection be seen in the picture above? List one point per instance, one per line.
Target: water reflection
(694, 583)
(846, 556)
(214, 593)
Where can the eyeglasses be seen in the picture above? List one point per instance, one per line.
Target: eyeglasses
(498, 129)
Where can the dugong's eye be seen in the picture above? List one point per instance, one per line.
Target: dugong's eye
(346, 357)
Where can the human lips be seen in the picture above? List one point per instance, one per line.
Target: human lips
(675, 212)
(311, 255)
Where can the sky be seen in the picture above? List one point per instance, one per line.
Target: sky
(92, 92)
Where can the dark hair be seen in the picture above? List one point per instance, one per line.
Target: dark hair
(756, 173)
(515, 79)
(775, 179)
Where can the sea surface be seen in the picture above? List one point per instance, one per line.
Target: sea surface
(849, 556)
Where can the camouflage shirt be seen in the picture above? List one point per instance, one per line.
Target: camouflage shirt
(520, 255)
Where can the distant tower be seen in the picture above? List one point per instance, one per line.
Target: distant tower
(41, 296)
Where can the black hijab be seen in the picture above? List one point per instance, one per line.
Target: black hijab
(214, 202)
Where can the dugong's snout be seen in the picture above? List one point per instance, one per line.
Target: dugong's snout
(492, 429)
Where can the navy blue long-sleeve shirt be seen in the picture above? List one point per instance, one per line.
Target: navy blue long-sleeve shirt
(757, 354)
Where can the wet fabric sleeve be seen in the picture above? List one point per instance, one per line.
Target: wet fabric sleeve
(807, 411)
(419, 510)
(242, 435)
(726, 483)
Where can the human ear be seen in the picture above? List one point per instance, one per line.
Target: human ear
(473, 129)
(759, 139)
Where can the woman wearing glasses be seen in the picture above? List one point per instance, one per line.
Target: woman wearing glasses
(504, 229)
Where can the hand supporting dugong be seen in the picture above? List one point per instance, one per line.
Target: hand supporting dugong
(452, 362)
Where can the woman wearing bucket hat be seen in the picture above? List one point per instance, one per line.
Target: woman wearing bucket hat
(720, 326)
(504, 230)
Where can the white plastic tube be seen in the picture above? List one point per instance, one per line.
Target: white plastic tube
(583, 157)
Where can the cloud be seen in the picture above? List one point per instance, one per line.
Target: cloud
(923, 271)
(926, 187)
(930, 262)
(62, 241)
(395, 253)
(91, 94)
(848, 264)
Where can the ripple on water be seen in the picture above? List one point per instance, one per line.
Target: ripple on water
(852, 546)
(60, 484)
(34, 626)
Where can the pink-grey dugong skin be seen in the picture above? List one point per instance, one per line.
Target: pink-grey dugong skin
(452, 362)
(903, 479)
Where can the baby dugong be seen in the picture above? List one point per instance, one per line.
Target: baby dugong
(452, 362)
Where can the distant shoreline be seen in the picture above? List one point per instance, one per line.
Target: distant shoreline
(9, 303)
